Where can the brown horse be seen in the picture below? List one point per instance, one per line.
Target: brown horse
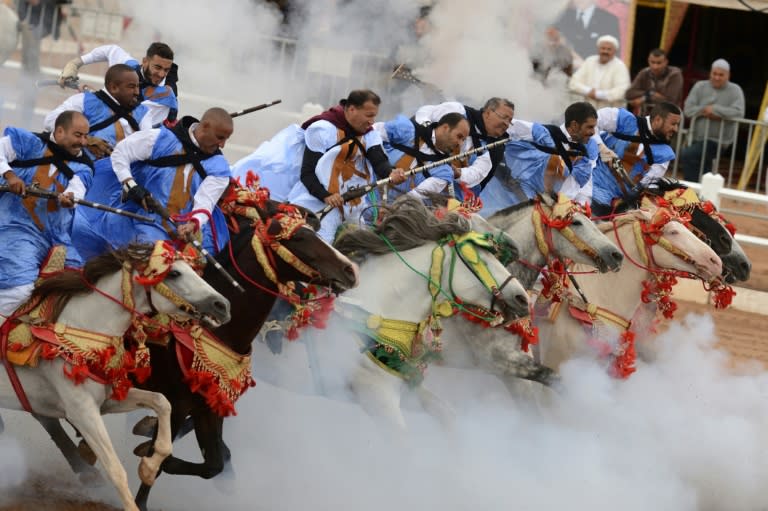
(294, 252)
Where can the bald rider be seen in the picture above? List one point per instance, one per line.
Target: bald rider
(182, 168)
(31, 226)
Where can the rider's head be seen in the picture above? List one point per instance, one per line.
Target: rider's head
(498, 114)
(156, 65)
(213, 130)
(122, 83)
(360, 109)
(580, 121)
(665, 120)
(70, 131)
(451, 131)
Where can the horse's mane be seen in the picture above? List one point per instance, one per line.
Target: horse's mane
(408, 223)
(69, 283)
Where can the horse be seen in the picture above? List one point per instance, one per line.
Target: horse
(89, 314)
(706, 222)
(271, 246)
(417, 270)
(597, 317)
(572, 236)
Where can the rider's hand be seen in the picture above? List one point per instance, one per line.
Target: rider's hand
(15, 184)
(334, 200)
(397, 176)
(135, 193)
(99, 147)
(67, 200)
(606, 154)
(188, 230)
(69, 73)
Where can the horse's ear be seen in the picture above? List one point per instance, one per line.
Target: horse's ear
(548, 199)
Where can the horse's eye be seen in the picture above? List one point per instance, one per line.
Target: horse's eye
(577, 222)
(173, 274)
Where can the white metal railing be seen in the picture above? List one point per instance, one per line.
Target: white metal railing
(711, 188)
(724, 144)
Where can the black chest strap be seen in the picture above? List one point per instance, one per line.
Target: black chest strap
(59, 158)
(191, 155)
(564, 148)
(119, 112)
(644, 137)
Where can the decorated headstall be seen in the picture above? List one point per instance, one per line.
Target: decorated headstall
(496, 244)
(687, 200)
(558, 217)
(269, 232)
(465, 247)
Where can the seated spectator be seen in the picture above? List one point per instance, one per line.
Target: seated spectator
(603, 78)
(656, 83)
(717, 99)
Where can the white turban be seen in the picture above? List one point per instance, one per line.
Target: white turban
(721, 64)
(608, 39)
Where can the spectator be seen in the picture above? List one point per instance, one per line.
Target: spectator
(718, 100)
(603, 78)
(551, 55)
(656, 83)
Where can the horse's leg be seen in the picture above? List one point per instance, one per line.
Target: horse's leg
(378, 392)
(179, 413)
(208, 430)
(83, 413)
(87, 473)
(436, 406)
(138, 398)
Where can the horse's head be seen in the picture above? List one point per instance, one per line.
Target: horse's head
(736, 264)
(675, 247)
(173, 287)
(564, 229)
(283, 243)
(479, 282)
(704, 219)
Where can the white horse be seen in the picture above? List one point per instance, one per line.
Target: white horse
(614, 298)
(572, 236)
(101, 303)
(409, 281)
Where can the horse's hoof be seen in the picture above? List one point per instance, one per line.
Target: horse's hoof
(143, 449)
(147, 474)
(91, 478)
(146, 426)
(86, 453)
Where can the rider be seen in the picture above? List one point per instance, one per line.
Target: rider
(546, 158)
(409, 145)
(157, 75)
(31, 226)
(489, 124)
(637, 151)
(183, 169)
(341, 148)
(113, 113)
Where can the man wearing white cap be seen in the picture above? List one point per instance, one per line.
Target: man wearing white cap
(603, 78)
(716, 99)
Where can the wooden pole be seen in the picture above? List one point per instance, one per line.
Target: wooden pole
(759, 137)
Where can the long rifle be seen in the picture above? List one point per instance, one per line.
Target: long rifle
(46, 194)
(354, 193)
(161, 210)
(255, 108)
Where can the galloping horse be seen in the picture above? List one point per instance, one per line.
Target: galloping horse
(707, 223)
(658, 247)
(418, 270)
(546, 229)
(272, 245)
(95, 308)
